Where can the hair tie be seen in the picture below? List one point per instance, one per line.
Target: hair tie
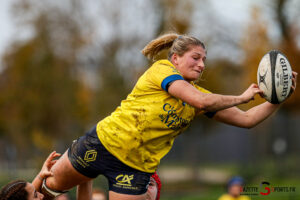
(15, 184)
(178, 38)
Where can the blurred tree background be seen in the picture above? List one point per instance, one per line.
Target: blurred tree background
(73, 61)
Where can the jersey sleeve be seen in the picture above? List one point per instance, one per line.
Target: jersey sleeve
(207, 114)
(163, 73)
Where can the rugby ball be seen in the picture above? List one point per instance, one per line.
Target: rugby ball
(274, 76)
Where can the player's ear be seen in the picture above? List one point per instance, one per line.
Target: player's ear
(174, 59)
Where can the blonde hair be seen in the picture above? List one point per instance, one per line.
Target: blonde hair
(176, 43)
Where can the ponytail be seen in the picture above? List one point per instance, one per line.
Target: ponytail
(176, 43)
(159, 44)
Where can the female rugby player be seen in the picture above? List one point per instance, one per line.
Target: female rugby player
(127, 146)
(22, 190)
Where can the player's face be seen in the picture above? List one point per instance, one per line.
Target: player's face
(32, 193)
(235, 190)
(191, 64)
(152, 190)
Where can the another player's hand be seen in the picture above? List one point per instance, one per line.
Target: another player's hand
(49, 162)
(249, 94)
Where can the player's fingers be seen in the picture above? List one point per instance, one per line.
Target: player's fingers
(48, 174)
(50, 157)
(258, 91)
(255, 85)
(294, 73)
(293, 81)
(53, 162)
(294, 84)
(261, 95)
(56, 155)
(293, 88)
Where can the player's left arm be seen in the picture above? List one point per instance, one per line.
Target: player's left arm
(246, 119)
(250, 118)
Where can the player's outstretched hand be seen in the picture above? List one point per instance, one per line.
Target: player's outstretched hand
(49, 162)
(294, 82)
(249, 94)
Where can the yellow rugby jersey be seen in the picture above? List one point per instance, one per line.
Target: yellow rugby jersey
(143, 128)
(229, 197)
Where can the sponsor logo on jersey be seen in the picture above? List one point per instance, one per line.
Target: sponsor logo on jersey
(124, 179)
(90, 156)
(171, 119)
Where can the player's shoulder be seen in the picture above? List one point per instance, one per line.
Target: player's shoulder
(164, 65)
(201, 89)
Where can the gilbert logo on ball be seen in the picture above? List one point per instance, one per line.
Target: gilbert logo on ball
(274, 76)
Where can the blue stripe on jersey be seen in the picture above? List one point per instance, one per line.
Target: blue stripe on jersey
(170, 79)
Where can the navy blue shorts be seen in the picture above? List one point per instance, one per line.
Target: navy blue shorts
(90, 158)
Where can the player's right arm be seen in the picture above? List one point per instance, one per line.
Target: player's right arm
(252, 117)
(209, 102)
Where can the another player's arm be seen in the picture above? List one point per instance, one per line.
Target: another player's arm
(84, 191)
(209, 102)
(45, 171)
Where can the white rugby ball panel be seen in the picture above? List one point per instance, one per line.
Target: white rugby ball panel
(274, 76)
(283, 77)
(264, 78)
